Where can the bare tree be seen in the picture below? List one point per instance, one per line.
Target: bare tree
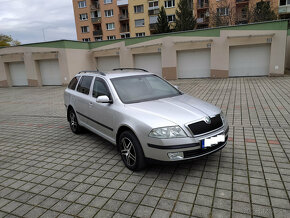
(223, 13)
(228, 13)
(244, 14)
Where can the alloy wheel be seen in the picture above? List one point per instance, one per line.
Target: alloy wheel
(73, 121)
(128, 152)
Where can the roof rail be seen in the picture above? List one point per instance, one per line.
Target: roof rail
(93, 71)
(130, 68)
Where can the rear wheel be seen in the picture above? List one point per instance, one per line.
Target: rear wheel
(131, 151)
(73, 122)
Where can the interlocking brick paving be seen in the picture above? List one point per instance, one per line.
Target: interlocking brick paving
(47, 171)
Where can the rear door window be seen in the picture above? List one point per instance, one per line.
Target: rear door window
(85, 84)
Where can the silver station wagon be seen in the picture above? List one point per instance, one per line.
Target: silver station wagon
(144, 116)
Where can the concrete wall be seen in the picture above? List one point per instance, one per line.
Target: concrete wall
(76, 56)
(287, 59)
(219, 50)
(71, 61)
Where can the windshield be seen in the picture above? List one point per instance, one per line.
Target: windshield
(133, 89)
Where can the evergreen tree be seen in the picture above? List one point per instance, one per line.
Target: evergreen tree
(184, 16)
(263, 12)
(162, 25)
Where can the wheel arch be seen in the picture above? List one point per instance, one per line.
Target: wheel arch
(124, 128)
(68, 110)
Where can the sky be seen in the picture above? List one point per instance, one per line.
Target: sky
(27, 20)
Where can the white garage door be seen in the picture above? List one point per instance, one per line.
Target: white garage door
(193, 63)
(250, 60)
(106, 64)
(50, 73)
(150, 62)
(18, 74)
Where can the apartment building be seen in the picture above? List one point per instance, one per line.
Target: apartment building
(284, 9)
(237, 9)
(98, 20)
(143, 15)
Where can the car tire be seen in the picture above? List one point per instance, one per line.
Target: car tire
(73, 122)
(131, 151)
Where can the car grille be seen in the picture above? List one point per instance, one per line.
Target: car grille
(202, 127)
(199, 152)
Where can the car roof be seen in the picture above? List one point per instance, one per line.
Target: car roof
(114, 74)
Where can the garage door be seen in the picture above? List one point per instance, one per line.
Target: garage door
(249, 60)
(106, 64)
(193, 63)
(18, 74)
(150, 62)
(50, 73)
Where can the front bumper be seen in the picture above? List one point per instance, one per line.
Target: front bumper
(191, 150)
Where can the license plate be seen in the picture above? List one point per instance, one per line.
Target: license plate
(209, 142)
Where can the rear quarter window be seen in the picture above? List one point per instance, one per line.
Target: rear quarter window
(73, 83)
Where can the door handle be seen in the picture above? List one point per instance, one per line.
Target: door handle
(91, 103)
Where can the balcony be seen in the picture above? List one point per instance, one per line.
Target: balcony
(97, 32)
(242, 1)
(122, 2)
(153, 12)
(123, 17)
(152, 26)
(95, 6)
(96, 20)
(202, 20)
(154, 8)
(203, 5)
(285, 9)
(124, 29)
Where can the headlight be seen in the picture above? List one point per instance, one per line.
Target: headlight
(167, 132)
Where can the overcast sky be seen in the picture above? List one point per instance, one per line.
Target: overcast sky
(25, 20)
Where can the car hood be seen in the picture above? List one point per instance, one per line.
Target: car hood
(180, 109)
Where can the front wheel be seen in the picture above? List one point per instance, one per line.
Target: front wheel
(131, 151)
(73, 122)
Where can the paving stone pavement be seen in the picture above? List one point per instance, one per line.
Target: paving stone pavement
(47, 171)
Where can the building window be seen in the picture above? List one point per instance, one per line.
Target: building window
(107, 1)
(109, 13)
(153, 5)
(84, 16)
(110, 26)
(139, 22)
(169, 4)
(111, 37)
(284, 2)
(85, 29)
(95, 14)
(86, 40)
(171, 18)
(138, 9)
(82, 4)
(98, 38)
(140, 34)
(125, 35)
(222, 11)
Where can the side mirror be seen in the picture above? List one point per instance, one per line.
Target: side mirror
(103, 99)
(176, 87)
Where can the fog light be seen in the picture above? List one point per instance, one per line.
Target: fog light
(175, 155)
